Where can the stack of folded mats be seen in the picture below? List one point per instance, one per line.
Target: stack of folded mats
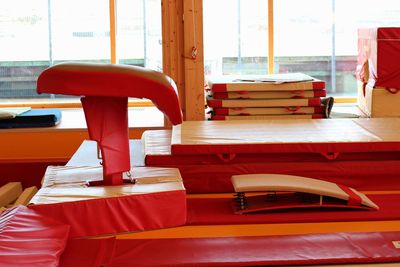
(277, 96)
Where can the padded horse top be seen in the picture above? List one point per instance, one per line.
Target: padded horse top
(84, 79)
(105, 89)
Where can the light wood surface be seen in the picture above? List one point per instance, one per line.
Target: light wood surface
(172, 45)
(26, 196)
(194, 67)
(59, 143)
(9, 193)
(178, 35)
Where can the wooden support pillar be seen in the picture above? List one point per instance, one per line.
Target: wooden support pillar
(113, 32)
(182, 29)
(172, 44)
(194, 59)
(271, 61)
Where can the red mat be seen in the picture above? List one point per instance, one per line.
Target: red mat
(361, 175)
(206, 211)
(235, 251)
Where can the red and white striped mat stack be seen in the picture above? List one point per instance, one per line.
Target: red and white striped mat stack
(276, 96)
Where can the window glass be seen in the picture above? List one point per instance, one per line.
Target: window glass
(139, 33)
(235, 36)
(80, 30)
(320, 37)
(303, 37)
(351, 15)
(23, 46)
(35, 34)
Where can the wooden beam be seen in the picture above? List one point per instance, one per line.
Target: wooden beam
(172, 44)
(193, 59)
(182, 30)
(26, 196)
(271, 61)
(113, 32)
(9, 193)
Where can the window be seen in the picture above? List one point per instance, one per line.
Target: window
(139, 33)
(24, 45)
(35, 34)
(317, 37)
(235, 39)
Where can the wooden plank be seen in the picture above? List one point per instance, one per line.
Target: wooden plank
(26, 196)
(194, 59)
(172, 36)
(182, 30)
(271, 61)
(9, 193)
(60, 142)
(113, 32)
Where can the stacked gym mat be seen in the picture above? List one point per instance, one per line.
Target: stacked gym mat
(277, 96)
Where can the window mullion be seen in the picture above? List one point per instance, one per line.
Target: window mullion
(113, 32)
(271, 61)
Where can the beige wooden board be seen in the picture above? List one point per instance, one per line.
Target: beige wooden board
(9, 193)
(63, 184)
(26, 196)
(286, 131)
(291, 183)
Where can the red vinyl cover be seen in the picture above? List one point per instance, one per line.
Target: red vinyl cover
(109, 128)
(267, 117)
(157, 152)
(212, 173)
(269, 95)
(82, 252)
(112, 80)
(378, 57)
(28, 238)
(361, 175)
(156, 199)
(290, 250)
(233, 103)
(106, 88)
(220, 211)
(119, 214)
(269, 111)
